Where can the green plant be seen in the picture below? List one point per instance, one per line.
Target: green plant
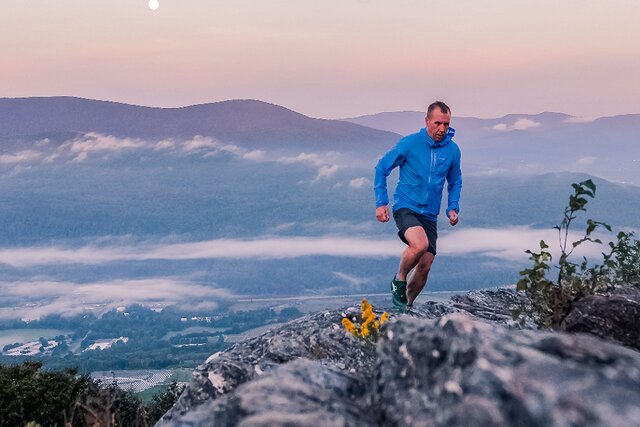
(368, 327)
(627, 260)
(550, 301)
(29, 395)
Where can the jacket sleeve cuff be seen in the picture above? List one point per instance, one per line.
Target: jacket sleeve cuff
(452, 208)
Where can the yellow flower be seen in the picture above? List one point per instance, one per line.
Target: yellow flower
(365, 305)
(384, 318)
(349, 326)
(368, 315)
(364, 331)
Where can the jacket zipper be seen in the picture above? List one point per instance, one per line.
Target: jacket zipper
(433, 162)
(433, 156)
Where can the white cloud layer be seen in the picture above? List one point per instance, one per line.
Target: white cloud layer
(19, 157)
(579, 119)
(586, 161)
(520, 124)
(93, 143)
(325, 172)
(352, 280)
(267, 248)
(49, 297)
(359, 182)
(325, 162)
(315, 159)
(508, 243)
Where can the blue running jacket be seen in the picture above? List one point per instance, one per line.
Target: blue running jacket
(424, 165)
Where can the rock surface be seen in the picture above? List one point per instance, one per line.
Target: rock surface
(456, 364)
(461, 372)
(489, 305)
(318, 337)
(300, 393)
(613, 317)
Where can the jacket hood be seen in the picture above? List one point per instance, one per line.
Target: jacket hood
(433, 143)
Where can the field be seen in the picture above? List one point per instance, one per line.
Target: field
(10, 336)
(143, 379)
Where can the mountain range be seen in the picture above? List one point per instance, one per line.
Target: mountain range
(254, 124)
(608, 147)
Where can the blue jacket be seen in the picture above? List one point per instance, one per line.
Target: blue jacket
(424, 165)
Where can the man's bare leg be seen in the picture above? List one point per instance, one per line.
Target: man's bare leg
(419, 277)
(418, 244)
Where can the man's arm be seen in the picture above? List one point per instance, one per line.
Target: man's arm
(393, 158)
(454, 187)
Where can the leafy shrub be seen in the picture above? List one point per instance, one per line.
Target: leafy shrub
(627, 260)
(549, 301)
(29, 395)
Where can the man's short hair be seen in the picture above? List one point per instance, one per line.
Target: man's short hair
(440, 105)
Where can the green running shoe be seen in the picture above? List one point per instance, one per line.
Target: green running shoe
(399, 292)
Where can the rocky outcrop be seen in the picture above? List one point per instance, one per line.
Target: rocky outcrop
(319, 337)
(462, 372)
(612, 317)
(493, 306)
(299, 393)
(456, 364)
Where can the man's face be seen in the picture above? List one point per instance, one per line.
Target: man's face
(438, 124)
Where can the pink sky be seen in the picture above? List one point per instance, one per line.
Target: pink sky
(331, 58)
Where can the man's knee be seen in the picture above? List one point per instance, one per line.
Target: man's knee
(420, 246)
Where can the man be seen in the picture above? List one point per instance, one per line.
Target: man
(425, 159)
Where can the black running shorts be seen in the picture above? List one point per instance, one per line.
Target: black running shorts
(406, 218)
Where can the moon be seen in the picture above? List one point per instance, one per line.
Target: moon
(154, 4)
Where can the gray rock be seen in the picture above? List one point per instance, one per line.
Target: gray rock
(612, 317)
(427, 310)
(318, 337)
(299, 393)
(492, 305)
(432, 367)
(461, 372)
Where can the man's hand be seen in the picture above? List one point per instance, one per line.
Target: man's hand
(453, 218)
(382, 214)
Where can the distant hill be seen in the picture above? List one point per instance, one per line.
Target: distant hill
(406, 122)
(250, 123)
(608, 147)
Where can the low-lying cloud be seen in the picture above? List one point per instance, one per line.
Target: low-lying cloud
(95, 146)
(359, 182)
(579, 119)
(520, 124)
(266, 248)
(100, 146)
(327, 163)
(37, 298)
(325, 172)
(586, 161)
(315, 159)
(508, 243)
(20, 157)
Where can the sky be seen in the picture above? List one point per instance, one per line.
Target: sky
(331, 58)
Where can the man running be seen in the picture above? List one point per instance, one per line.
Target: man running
(425, 159)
